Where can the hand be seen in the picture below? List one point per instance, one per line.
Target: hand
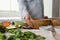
(28, 20)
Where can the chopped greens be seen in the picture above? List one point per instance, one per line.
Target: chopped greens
(2, 28)
(1, 36)
(17, 34)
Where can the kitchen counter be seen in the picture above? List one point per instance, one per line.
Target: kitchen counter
(48, 34)
(56, 36)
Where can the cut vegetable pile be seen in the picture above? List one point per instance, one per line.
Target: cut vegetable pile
(17, 34)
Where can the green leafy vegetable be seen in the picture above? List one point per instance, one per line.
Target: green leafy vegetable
(17, 34)
(2, 28)
(29, 34)
(1, 36)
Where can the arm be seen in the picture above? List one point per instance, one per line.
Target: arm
(27, 17)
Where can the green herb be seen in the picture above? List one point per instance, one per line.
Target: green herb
(1, 36)
(19, 35)
(2, 28)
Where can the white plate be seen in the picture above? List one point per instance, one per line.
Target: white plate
(47, 34)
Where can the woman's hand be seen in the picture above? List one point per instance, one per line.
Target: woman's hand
(28, 20)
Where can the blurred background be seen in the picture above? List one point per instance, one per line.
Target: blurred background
(10, 9)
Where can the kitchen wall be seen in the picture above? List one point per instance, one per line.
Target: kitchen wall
(59, 8)
(55, 9)
(48, 8)
(9, 16)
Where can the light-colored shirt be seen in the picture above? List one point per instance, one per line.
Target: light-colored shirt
(33, 7)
